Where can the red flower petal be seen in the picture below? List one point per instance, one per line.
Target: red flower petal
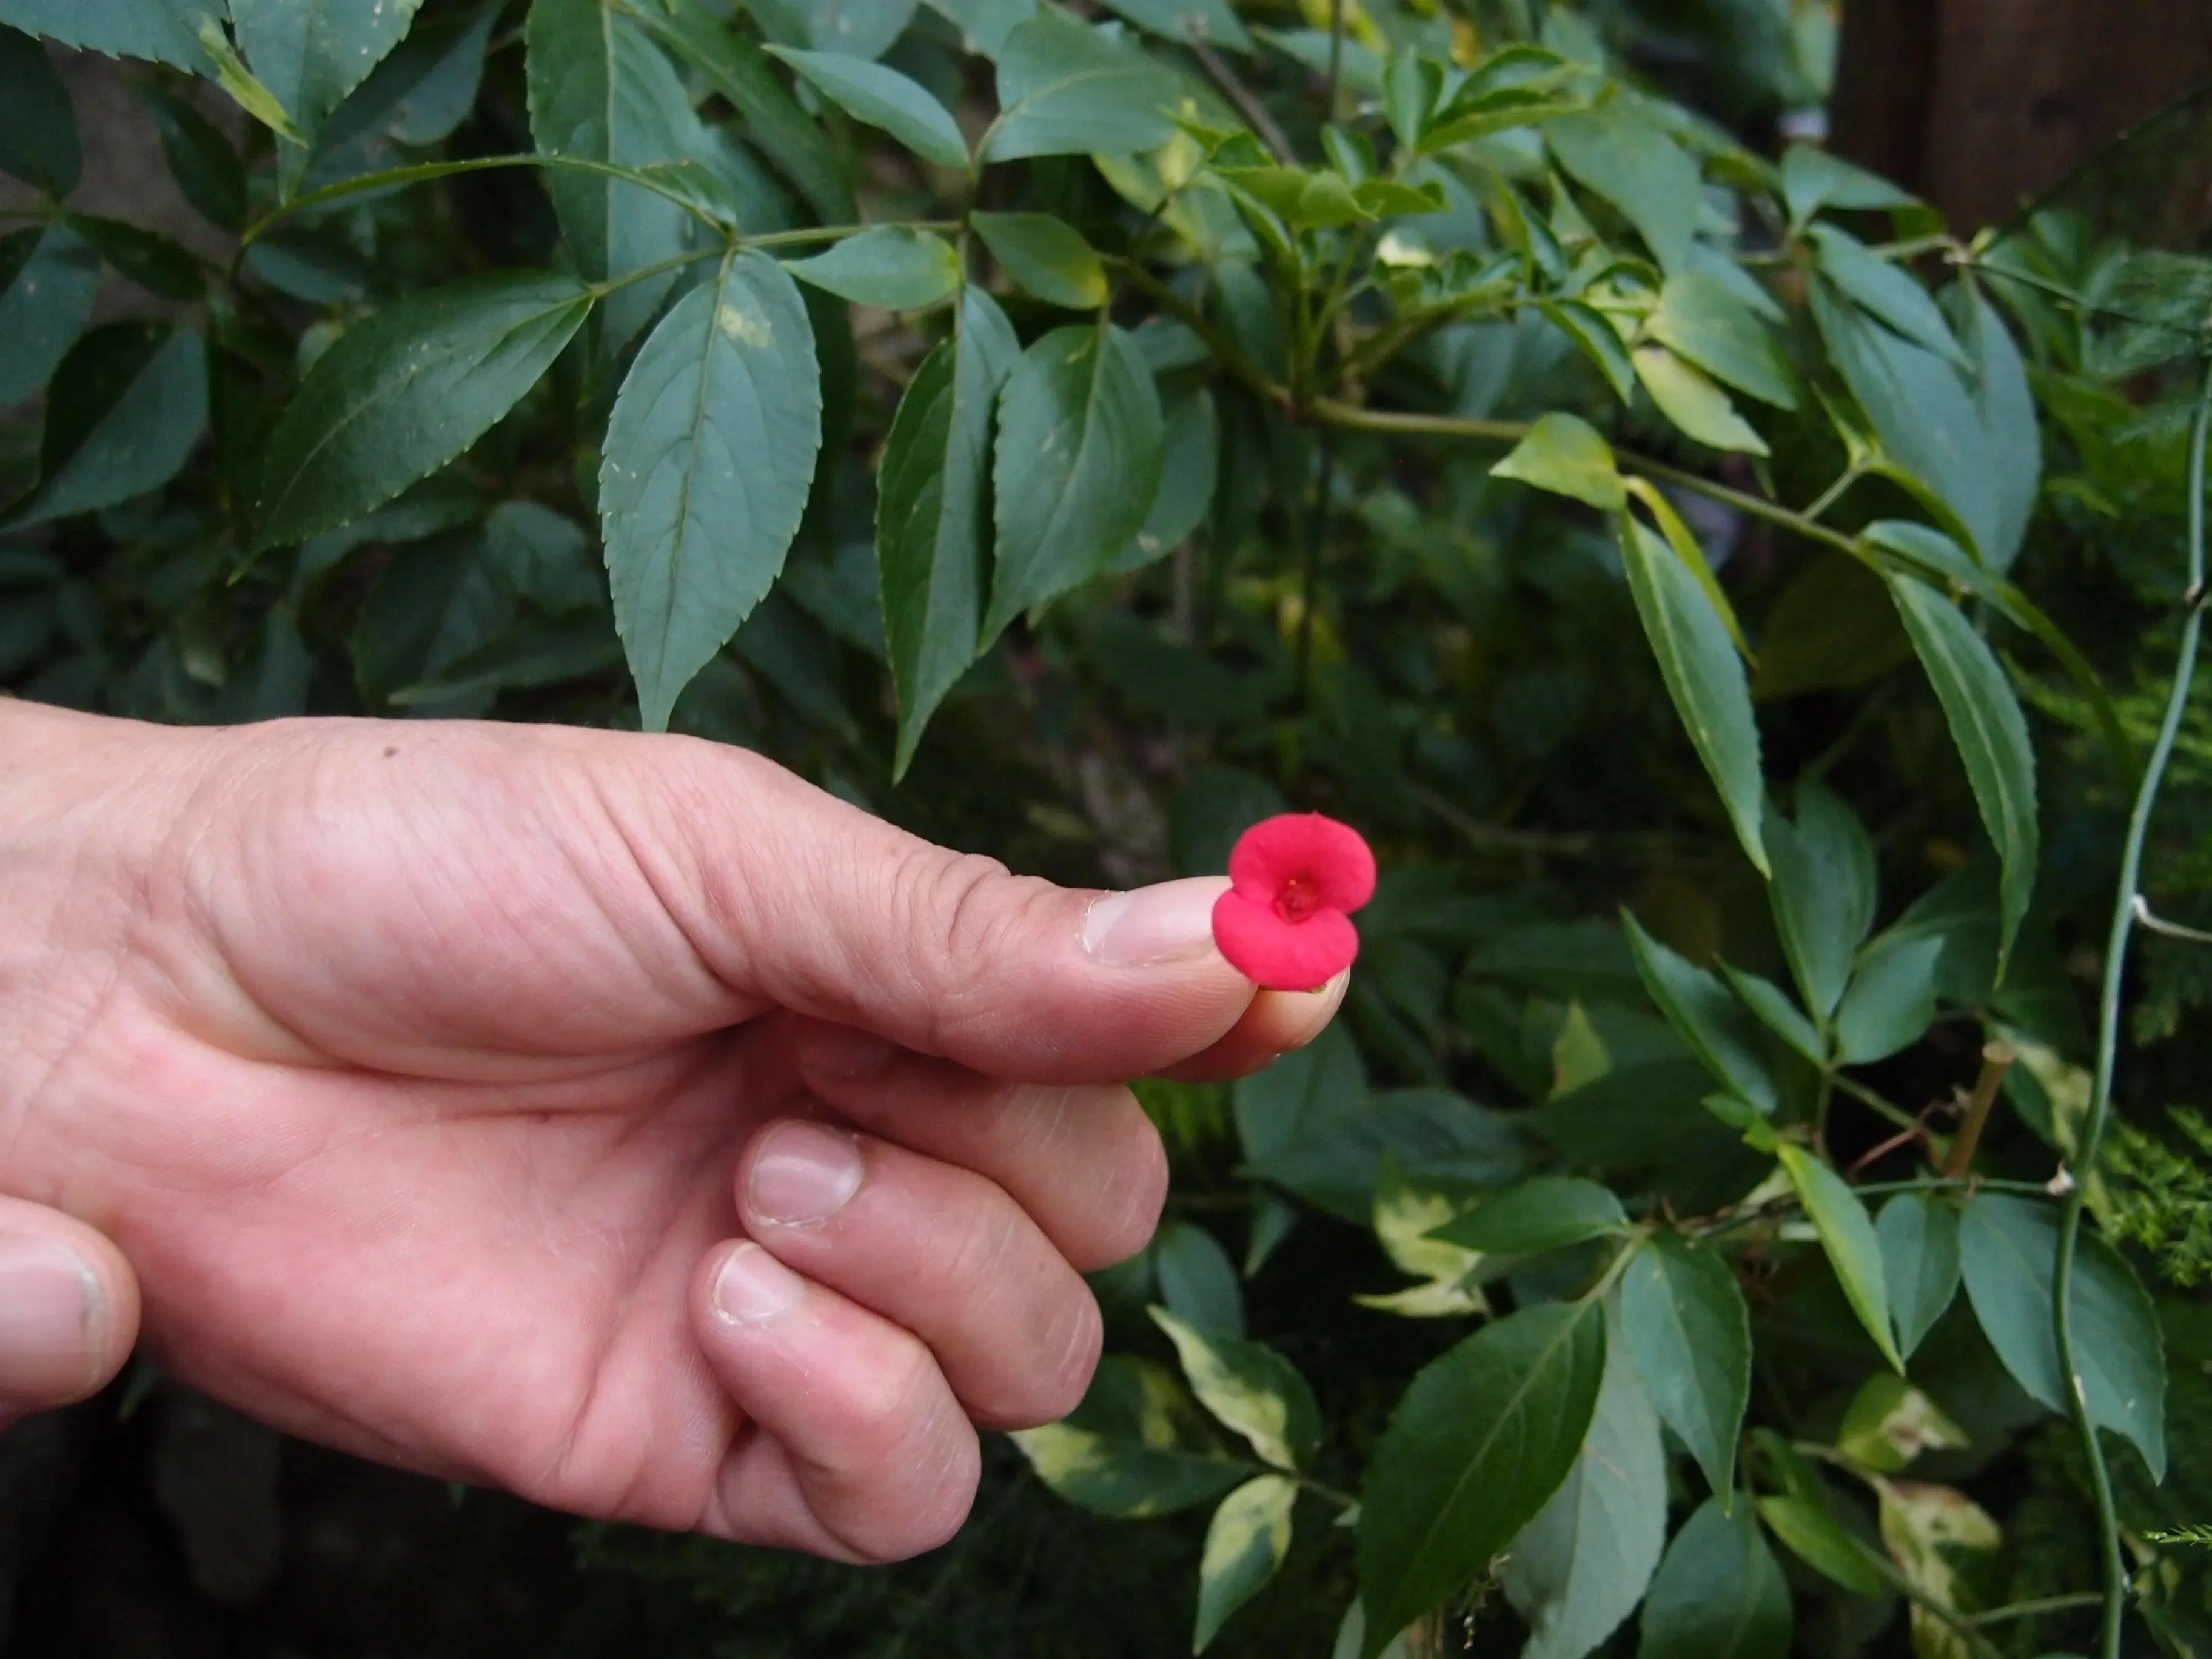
(1283, 955)
(1330, 859)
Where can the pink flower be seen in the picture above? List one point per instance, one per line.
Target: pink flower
(1282, 923)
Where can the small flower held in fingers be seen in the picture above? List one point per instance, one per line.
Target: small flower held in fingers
(1283, 923)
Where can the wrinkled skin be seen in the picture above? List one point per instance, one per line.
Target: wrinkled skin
(423, 1079)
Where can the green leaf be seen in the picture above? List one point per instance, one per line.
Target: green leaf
(1301, 1097)
(1889, 1423)
(1410, 86)
(127, 405)
(1046, 256)
(1211, 22)
(1990, 733)
(1813, 179)
(1197, 1280)
(433, 604)
(1847, 1235)
(166, 31)
(402, 393)
(1885, 290)
(201, 159)
(1480, 1442)
(539, 652)
(1245, 1544)
(708, 457)
(1406, 1211)
(984, 25)
(1684, 1323)
(1064, 89)
(864, 28)
(1251, 1388)
(1692, 555)
(1919, 406)
(1077, 466)
(889, 266)
(1822, 893)
(1303, 199)
(1771, 1006)
(1997, 382)
(1707, 324)
(1934, 1534)
(1335, 1163)
(2008, 1252)
(1705, 1016)
(418, 96)
(1565, 454)
(1546, 1213)
(546, 558)
(1704, 675)
(1501, 111)
(147, 258)
(932, 513)
(1639, 168)
(1580, 1567)
(220, 59)
(311, 53)
(1597, 340)
(37, 126)
(769, 115)
(1832, 630)
(1816, 1537)
(1388, 198)
(1693, 402)
(1719, 1593)
(600, 90)
(1919, 1236)
(1136, 1446)
(1892, 1000)
(883, 98)
(1190, 461)
(48, 279)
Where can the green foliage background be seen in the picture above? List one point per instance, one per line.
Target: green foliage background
(1736, 604)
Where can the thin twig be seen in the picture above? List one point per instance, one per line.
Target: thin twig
(2145, 917)
(2108, 1028)
(1247, 101)
(2033, 1609)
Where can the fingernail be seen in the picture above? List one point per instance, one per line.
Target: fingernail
(842, 1053)
(753, 1287)
(804, 1173)
(51, 1306)
(1152, 926)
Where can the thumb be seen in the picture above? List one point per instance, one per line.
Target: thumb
(68, 1310)
(810, 903)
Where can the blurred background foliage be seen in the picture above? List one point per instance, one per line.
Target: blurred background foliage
(1366, 621)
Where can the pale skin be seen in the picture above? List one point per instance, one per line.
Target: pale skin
(617, 1120)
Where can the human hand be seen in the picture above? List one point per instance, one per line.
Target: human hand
(442, 1083)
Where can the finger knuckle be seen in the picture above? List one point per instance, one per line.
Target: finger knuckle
(887, 1402)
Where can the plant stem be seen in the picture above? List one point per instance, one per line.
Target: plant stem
(1997, 1060)
(2108, 1027)
(1336, 56)
(1248, 103)
(1310, 582)
(1834, 493)
(2031, 1610)
(1874, 1102)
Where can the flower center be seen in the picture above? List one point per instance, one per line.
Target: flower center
(1297, 898)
